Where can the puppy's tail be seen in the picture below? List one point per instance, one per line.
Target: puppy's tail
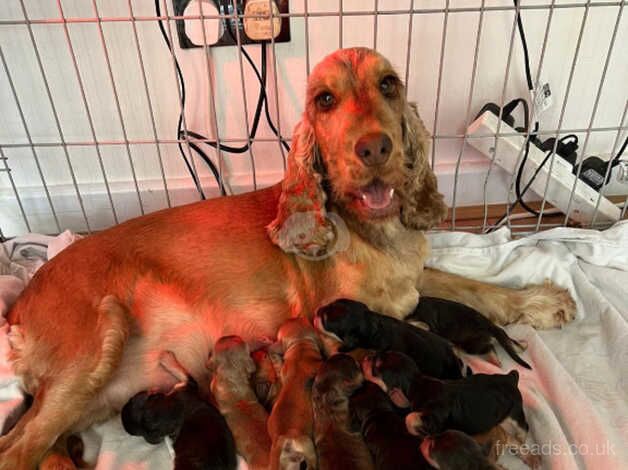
(508, 344)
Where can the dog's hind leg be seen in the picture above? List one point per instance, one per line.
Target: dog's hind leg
(542, 306)
(60, 399)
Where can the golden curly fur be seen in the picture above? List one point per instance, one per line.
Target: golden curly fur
(181, 278)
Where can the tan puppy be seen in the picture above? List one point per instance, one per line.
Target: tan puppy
(336, 446)
(266, 381)
(291, 422)
(233, 367)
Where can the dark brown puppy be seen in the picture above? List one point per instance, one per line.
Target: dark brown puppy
(465, 327)
(337, 447)
(356, 326)
(454, 450)
(384, 430)
(473, 405)
(202, 439)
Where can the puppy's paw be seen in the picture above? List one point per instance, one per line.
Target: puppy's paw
(414, 423)
(297, 451)
(546, 306)
(54, 461)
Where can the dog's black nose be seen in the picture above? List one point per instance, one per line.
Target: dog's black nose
(374, 149)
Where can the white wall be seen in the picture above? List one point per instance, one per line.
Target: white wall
(392, 41)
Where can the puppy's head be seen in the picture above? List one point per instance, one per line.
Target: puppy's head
(153, 416)
(367, 401)
(393, 372)
(347, 321)
(231, 363)
(454, 450)
(296, 330)
(335, 381)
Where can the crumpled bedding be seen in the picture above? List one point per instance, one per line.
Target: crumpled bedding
(576, 396)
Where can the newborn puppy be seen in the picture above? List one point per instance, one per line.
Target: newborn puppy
(466, 328)
(266, 381)
(336, 445)
(355, 326)
(202, 439)
(291, 422)
(232, 368)
(384, 431)
(473, 405)
(454, 450)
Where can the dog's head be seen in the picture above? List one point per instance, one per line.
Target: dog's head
(231, 365)
(455, 450)
(347, 321)
(153, 416)
(361, 148)
(335, 381)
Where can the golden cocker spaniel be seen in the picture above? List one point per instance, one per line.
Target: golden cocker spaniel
(346, 221)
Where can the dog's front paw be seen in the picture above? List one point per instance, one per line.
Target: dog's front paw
(546, 306)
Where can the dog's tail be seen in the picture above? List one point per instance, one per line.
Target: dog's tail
(508, 344)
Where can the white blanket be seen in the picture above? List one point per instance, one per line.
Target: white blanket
(576, 396)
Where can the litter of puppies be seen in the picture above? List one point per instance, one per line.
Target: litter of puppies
(386, 395)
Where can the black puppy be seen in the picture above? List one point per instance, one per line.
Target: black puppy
(454, 450)
(473, 405)
(384, 431)
(354, 325)
(202, 439)
(466, 328)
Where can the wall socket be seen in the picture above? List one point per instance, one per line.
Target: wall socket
(222, 32)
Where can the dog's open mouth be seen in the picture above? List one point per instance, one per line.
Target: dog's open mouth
(377, 197)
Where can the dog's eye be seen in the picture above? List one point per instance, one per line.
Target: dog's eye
(325, 101)
(388, 86)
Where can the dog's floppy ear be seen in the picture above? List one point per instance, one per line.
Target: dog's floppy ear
(301, 225)
(423, 205)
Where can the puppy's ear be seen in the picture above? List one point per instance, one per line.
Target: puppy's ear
(301, 225)
(423, 206)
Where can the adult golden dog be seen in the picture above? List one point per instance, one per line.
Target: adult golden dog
(346, 221)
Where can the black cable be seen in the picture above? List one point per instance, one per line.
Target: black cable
(524, 44)
(621, 150)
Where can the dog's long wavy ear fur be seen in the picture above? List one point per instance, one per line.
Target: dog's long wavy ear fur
(423, 206)
(301, 225)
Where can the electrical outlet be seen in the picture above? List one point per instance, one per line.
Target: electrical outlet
(222, 32)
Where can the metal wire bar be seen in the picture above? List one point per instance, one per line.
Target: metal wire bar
(15, 191)
(563, 108)
(306, 18)
(608, 168)
(407, 74)
(501, 110)
(212, 102)
(342, 13)
(246, 109)
(56, 118)
(594, 112)
(90, 120)
(535, 90)
(151, 112)
(30, 140)
(375, 21)
(271, 18)
(440, 82)
(88, 143)
(117, 101)
(340, 20)
(186, 137)
(468, 115)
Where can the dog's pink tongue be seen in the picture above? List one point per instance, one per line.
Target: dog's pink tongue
(377, 195)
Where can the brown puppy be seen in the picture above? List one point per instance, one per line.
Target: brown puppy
(337, 447)
(291, 422)
(454, 450)
(266, 381)
(233, 367)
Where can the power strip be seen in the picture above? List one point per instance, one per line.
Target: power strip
(562, 179)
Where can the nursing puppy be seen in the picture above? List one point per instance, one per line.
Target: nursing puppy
(337, 447)
(465, 327)
(266, 382)
(355, 326)
(454, 450)
(473, 405)
(202, 439)
(291, 422)
(384, 430)
(232, 369)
